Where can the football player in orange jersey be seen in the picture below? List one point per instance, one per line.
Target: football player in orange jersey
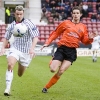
(72, 33)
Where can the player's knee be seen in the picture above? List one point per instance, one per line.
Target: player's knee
(52, 69)
(10, 66)
(61, 71)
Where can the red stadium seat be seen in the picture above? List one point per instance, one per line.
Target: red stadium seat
(90, 14)
(89, 25)
(88, 19)
(47, 36)
(60, 22)
(41, 28)
(84, 22)
(3, 31)
(69, 18)
(38, 26)
(84, 18)
(98, 22)
(56, 22)
(89, 22)
(42, 32)
(42, 37)
(3, 26)
(98, 29)
(94, 29)
(47, 32)
(42, 40)
(90, 29)
(89, 3)
(46, 28)
(94, 3)
(98, 25)
(94, 25)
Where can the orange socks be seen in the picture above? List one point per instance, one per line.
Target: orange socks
(52, 81)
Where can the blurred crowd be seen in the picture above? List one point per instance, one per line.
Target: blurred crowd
(59, 10)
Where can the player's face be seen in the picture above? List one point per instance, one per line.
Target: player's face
(76, 15)
(19, 15)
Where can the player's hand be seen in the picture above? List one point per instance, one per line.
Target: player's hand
(32, 53)
(45, 45)
(2, 52)
(93, 34)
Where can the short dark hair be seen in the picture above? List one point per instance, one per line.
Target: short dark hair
(77, 8)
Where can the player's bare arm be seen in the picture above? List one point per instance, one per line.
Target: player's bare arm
(5, 42)
(31, 51)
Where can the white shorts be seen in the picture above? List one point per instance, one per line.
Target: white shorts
(95, 46)
(23, 58)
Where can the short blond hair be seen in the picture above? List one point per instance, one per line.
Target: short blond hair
(19, 8)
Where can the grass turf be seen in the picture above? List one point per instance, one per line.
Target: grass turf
(80, 82)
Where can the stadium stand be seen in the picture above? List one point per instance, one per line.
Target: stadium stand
(54, 18)
(92, 10)
(2, 31)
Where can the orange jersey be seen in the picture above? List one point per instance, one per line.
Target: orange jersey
(71, 34)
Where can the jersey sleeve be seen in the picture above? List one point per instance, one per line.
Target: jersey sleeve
(85, 38)
(8, 32)
(33, 30)
(57, 32)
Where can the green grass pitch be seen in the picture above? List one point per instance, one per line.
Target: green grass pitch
(80, 82)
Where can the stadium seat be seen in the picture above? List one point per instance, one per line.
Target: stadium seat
(41, 28)
(3, 31)
(94, 6)
(90, 14)
(84, 18)
(42, 37)
(89, 25)
(47, 32)
(69, 18)
(98, 28)
(98, 25)
(51, 27)
(3, 26)
(94, 3)
(89, 3)
(88, 18)
(94, 29)
(84, 21)
(94, 25)
(56, 22)
(46, 28)
(38, 26)
(98, 22)
(94, 11)
(90, 29)
(1, 39)
(3, 35)
(42, 32)
(47, 36)
(89, 22)
(42, 40)
(55, 26)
